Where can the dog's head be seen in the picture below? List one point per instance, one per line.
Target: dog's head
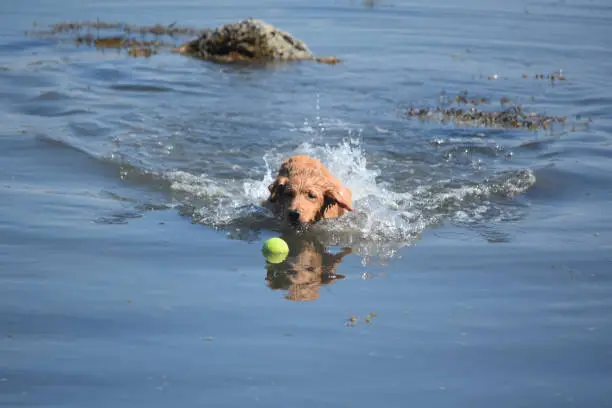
(305, 197)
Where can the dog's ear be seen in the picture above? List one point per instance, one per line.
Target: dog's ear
(339, 196)
(276, 188)
(334, 196)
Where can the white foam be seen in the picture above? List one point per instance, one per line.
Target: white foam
(383, 220)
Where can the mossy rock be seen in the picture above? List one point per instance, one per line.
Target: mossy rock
(247, 40)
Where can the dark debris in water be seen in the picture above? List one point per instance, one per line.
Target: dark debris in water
(354, 320)
(465, 110)
(134, 47)
(512, 117)
(75, 27)
(551, 76)
(121, 36)
(118, 42)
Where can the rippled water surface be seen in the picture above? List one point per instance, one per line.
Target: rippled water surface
(475, 270)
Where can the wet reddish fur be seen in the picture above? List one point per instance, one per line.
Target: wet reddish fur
(304, 184)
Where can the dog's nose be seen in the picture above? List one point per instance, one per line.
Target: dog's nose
(294, 215)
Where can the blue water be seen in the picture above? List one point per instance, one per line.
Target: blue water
(130, 265)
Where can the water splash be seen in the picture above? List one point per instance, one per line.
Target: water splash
(384, 219)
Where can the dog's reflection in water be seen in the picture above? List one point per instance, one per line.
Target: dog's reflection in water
(307, 267)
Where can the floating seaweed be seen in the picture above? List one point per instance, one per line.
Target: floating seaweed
(119, 42)
(328, 60)
(134, 47)
(465, 110)
(369, 317)
(89, 33)
(170, 30)
(463, 98)
(141, 52)
(509, 118)
(552, 76)
(351, 321)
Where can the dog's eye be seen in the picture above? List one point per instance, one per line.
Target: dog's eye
(312, 196)
(289, 193)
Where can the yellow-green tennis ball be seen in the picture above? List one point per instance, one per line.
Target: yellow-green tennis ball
(275, 250)
(276, 245)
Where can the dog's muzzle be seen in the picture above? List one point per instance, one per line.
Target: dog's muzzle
(294, 217)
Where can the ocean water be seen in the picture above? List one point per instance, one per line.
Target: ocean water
(475, 271)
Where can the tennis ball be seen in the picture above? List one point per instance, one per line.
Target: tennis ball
(275, 250)
(276, 245)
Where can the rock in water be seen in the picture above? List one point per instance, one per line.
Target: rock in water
(247, 40)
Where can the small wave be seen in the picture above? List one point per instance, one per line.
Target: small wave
(119, 218)
(139, 88)
(54, 111)
(384, 220)
(51, 96)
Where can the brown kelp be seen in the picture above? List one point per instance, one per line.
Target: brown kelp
(465, 110)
